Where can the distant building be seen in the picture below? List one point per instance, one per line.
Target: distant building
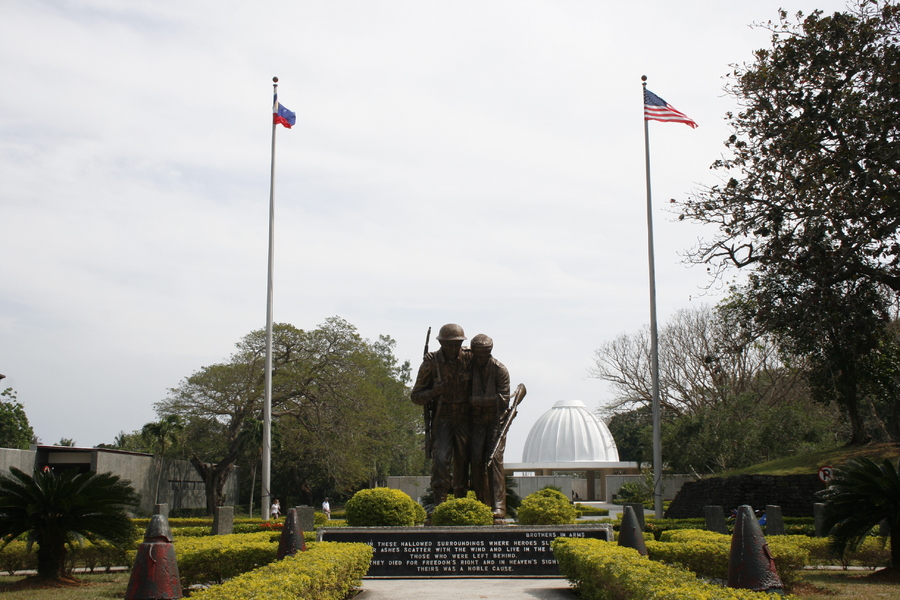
(157, 481)
(569, 439)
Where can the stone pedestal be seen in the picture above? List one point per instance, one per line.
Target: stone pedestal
(223, 521)
(715, 519)
(774, 520)
(306, 518)
(819, 516)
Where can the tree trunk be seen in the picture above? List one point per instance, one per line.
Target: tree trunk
(214, 477)
(895, 546)
(51, 558)
(848, 397)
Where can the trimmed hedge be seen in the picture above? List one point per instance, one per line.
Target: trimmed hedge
(546, 507)
(326, 571)
(706, 553)
(462, 511)
(600, 570)
(216, 558)
(383, 507)
(100, 556)
(587, 510)
(874, 552)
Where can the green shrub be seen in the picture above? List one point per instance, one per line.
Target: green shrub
(462, 511)
(600, 570)
(326, 571)
(546, 507)
(382, 507)
(591, 511)
(215, 558)
(658, 526)
(706, 553)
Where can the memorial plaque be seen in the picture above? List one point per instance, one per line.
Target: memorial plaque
(463, 551)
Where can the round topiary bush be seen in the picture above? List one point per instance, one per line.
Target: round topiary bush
(462, 511)
(546, 507)
(383, 507)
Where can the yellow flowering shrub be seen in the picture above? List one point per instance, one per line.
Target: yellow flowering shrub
(220, 557)
(874, 552)
(16, 557)
(604, 571)
(706, 553)
(326, 571)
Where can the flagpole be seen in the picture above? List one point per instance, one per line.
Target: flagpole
(267, 405)
(654, 338)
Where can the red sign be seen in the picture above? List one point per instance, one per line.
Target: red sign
(826, 474)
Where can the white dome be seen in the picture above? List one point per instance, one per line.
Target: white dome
(568, 432)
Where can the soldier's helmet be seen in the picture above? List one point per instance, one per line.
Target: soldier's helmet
(451, 331)
(482, 341)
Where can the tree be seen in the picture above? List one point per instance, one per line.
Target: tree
(811, 196)
(160, 433)
(15, 431)
(841, 330)
(341, 403)
(861, 496)
(728, 396)
(55, 508)
(813, 176)
(706, 357)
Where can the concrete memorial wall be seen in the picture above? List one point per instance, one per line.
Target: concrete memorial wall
(499, 551)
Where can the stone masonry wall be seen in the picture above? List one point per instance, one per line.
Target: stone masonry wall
(795, 494)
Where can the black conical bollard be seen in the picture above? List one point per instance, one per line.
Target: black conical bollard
(292, 540)
(750, 565)
(630, 535)
(155, 572)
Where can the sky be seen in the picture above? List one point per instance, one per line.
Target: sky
(479, 163)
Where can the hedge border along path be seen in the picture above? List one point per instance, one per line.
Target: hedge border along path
(326, 571)
(604, 571)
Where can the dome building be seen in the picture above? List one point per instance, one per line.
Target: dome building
(569, 438)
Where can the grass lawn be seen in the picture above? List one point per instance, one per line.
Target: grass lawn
(89, 587)
(846, 585)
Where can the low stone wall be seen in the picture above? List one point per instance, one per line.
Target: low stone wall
(795, 494)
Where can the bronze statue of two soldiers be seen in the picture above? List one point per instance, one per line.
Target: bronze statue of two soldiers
(468, 410)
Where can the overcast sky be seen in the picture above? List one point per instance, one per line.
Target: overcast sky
(471, 162)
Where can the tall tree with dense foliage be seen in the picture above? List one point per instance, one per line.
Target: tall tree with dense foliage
(862, 495)
(15, 431)
(339, 400)
(810, 199)
(54, 508)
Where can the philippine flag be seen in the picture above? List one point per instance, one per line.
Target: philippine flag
(281, 114)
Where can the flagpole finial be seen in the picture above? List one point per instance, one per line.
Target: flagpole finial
(275, 79)
(643, 78)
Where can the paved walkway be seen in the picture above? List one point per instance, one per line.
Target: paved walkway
(465, 589)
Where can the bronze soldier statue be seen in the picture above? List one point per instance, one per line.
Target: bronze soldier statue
(443, 387)
(490, 398)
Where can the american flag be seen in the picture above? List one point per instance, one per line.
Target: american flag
(657, 109)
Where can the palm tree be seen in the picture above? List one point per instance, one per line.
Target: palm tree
(861, 496)
(163, 431)
(55, 508)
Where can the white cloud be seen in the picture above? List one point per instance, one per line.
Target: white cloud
(478, 162)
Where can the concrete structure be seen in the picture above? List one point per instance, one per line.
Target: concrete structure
(157, 481)
(569, 439)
